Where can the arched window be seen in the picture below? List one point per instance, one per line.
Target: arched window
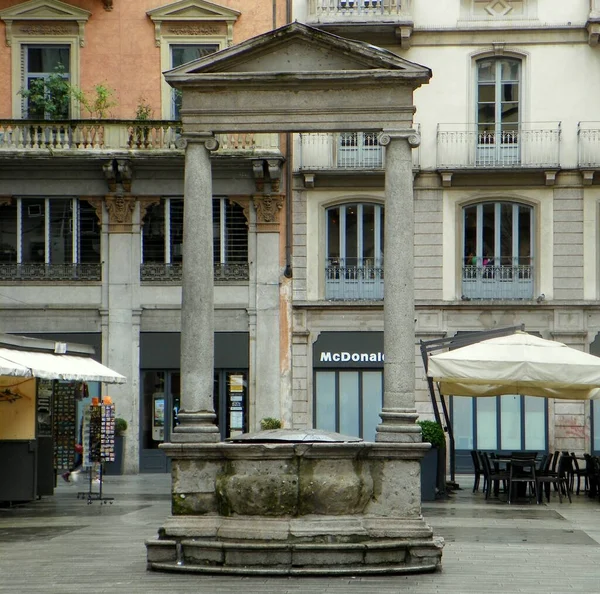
(498, 258)
(498, 111)
(354, 251)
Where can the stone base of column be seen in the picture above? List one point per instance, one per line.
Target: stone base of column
(398, 425)
(196, 427)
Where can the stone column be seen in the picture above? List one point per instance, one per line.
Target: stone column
(197, 415)
(399, 414)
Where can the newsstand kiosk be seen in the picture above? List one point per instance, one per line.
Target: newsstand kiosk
(40, 383)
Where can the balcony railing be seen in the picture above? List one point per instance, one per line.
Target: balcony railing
(115, 135)
(329, 11)
(157, 272)
(345, 151)
(531, 145)
(497, 282)
(588, 144)
(50, 272)
(353, 282)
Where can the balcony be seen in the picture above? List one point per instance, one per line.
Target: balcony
(497, 282)
(532, 145)
(588, 145)
(164, 273)
(366, 18)
(91, 136)
(347, 283)
(341, 151)
(50, 272)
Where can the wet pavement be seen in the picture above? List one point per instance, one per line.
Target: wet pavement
(63, 545)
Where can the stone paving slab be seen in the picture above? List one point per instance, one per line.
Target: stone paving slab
(62, 545)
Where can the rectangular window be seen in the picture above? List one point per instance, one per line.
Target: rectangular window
(46, 69)
(182, 54)
(49, 237)
(348, 402)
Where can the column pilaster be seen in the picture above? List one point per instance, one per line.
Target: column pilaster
(399, 415)
(197, 416)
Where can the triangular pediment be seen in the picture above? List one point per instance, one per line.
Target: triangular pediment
(299, 48)
(44, 10)
(193, 10)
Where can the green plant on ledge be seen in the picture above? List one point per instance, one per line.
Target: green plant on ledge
(120, 426)
(270, 423)
(98, 101)
(49, 97)
(433, 433)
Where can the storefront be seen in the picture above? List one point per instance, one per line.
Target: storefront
(348, 382)
(161, 389)
(41, 384)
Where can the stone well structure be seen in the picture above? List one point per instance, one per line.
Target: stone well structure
(285, 504)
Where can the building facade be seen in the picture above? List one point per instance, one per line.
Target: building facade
(506, 212)
(91, 203)
(506, 209)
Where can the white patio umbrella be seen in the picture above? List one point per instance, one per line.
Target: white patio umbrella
(517, 364)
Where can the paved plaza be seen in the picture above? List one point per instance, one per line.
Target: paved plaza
(62, 545)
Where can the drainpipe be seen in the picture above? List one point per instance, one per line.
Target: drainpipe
(288, 179)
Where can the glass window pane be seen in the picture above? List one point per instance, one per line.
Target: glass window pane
(46, 59)
(486, 70)
(325, 400)
(333, 235)
(61, 231)
(509, 70)
(486, 114)
(182, 54)
(372, 393)
(368, 238)
(487, 93)
(524, 235)
(510, 423)
(351, 236)
(176, 230)
(89, 234)
(535, 423)
(489, 230)
(506, 234)
(462, 422)
(153, 234)
(8, 233)
(470, 230)
(349, 403)
(487, 430)
(509, 112)
(34, 230)
(510, 92)
(236, 234)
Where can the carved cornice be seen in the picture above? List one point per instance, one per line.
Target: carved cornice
(268, 207)
(145, 203)
(120, 213)
(96, 203)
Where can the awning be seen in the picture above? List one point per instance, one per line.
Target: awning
(60, 367)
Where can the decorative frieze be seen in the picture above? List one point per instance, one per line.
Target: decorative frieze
(268, 207)
(120, 213)
(195, 29)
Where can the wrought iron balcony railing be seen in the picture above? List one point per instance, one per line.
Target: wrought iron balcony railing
(50, 272)
(588, 144)
(158, 272)
(115, 135)
(467, 146)
(497, 282)
(353, 282)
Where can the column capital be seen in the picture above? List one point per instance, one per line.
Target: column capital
(411, 136)
(207, 138)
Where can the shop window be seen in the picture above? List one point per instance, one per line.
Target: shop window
(498, 260)
(348, 402)
(162, 240)
(354, 251)
(49, 238)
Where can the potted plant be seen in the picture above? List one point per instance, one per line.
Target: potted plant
(140, 134)
(433, 463)
(116, 467)
(270, 423)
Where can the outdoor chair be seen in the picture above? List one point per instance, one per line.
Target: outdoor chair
(593, 465)
(477, 470)
(493, 476)
(522, 472)
(579, 473)
(560, 480)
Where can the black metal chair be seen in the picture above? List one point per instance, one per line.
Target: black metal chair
(579, 473)
(522, 472)
(560, 480)
(493, 476)
(477, 470)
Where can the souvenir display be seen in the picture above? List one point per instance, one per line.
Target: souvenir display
(64, 425)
